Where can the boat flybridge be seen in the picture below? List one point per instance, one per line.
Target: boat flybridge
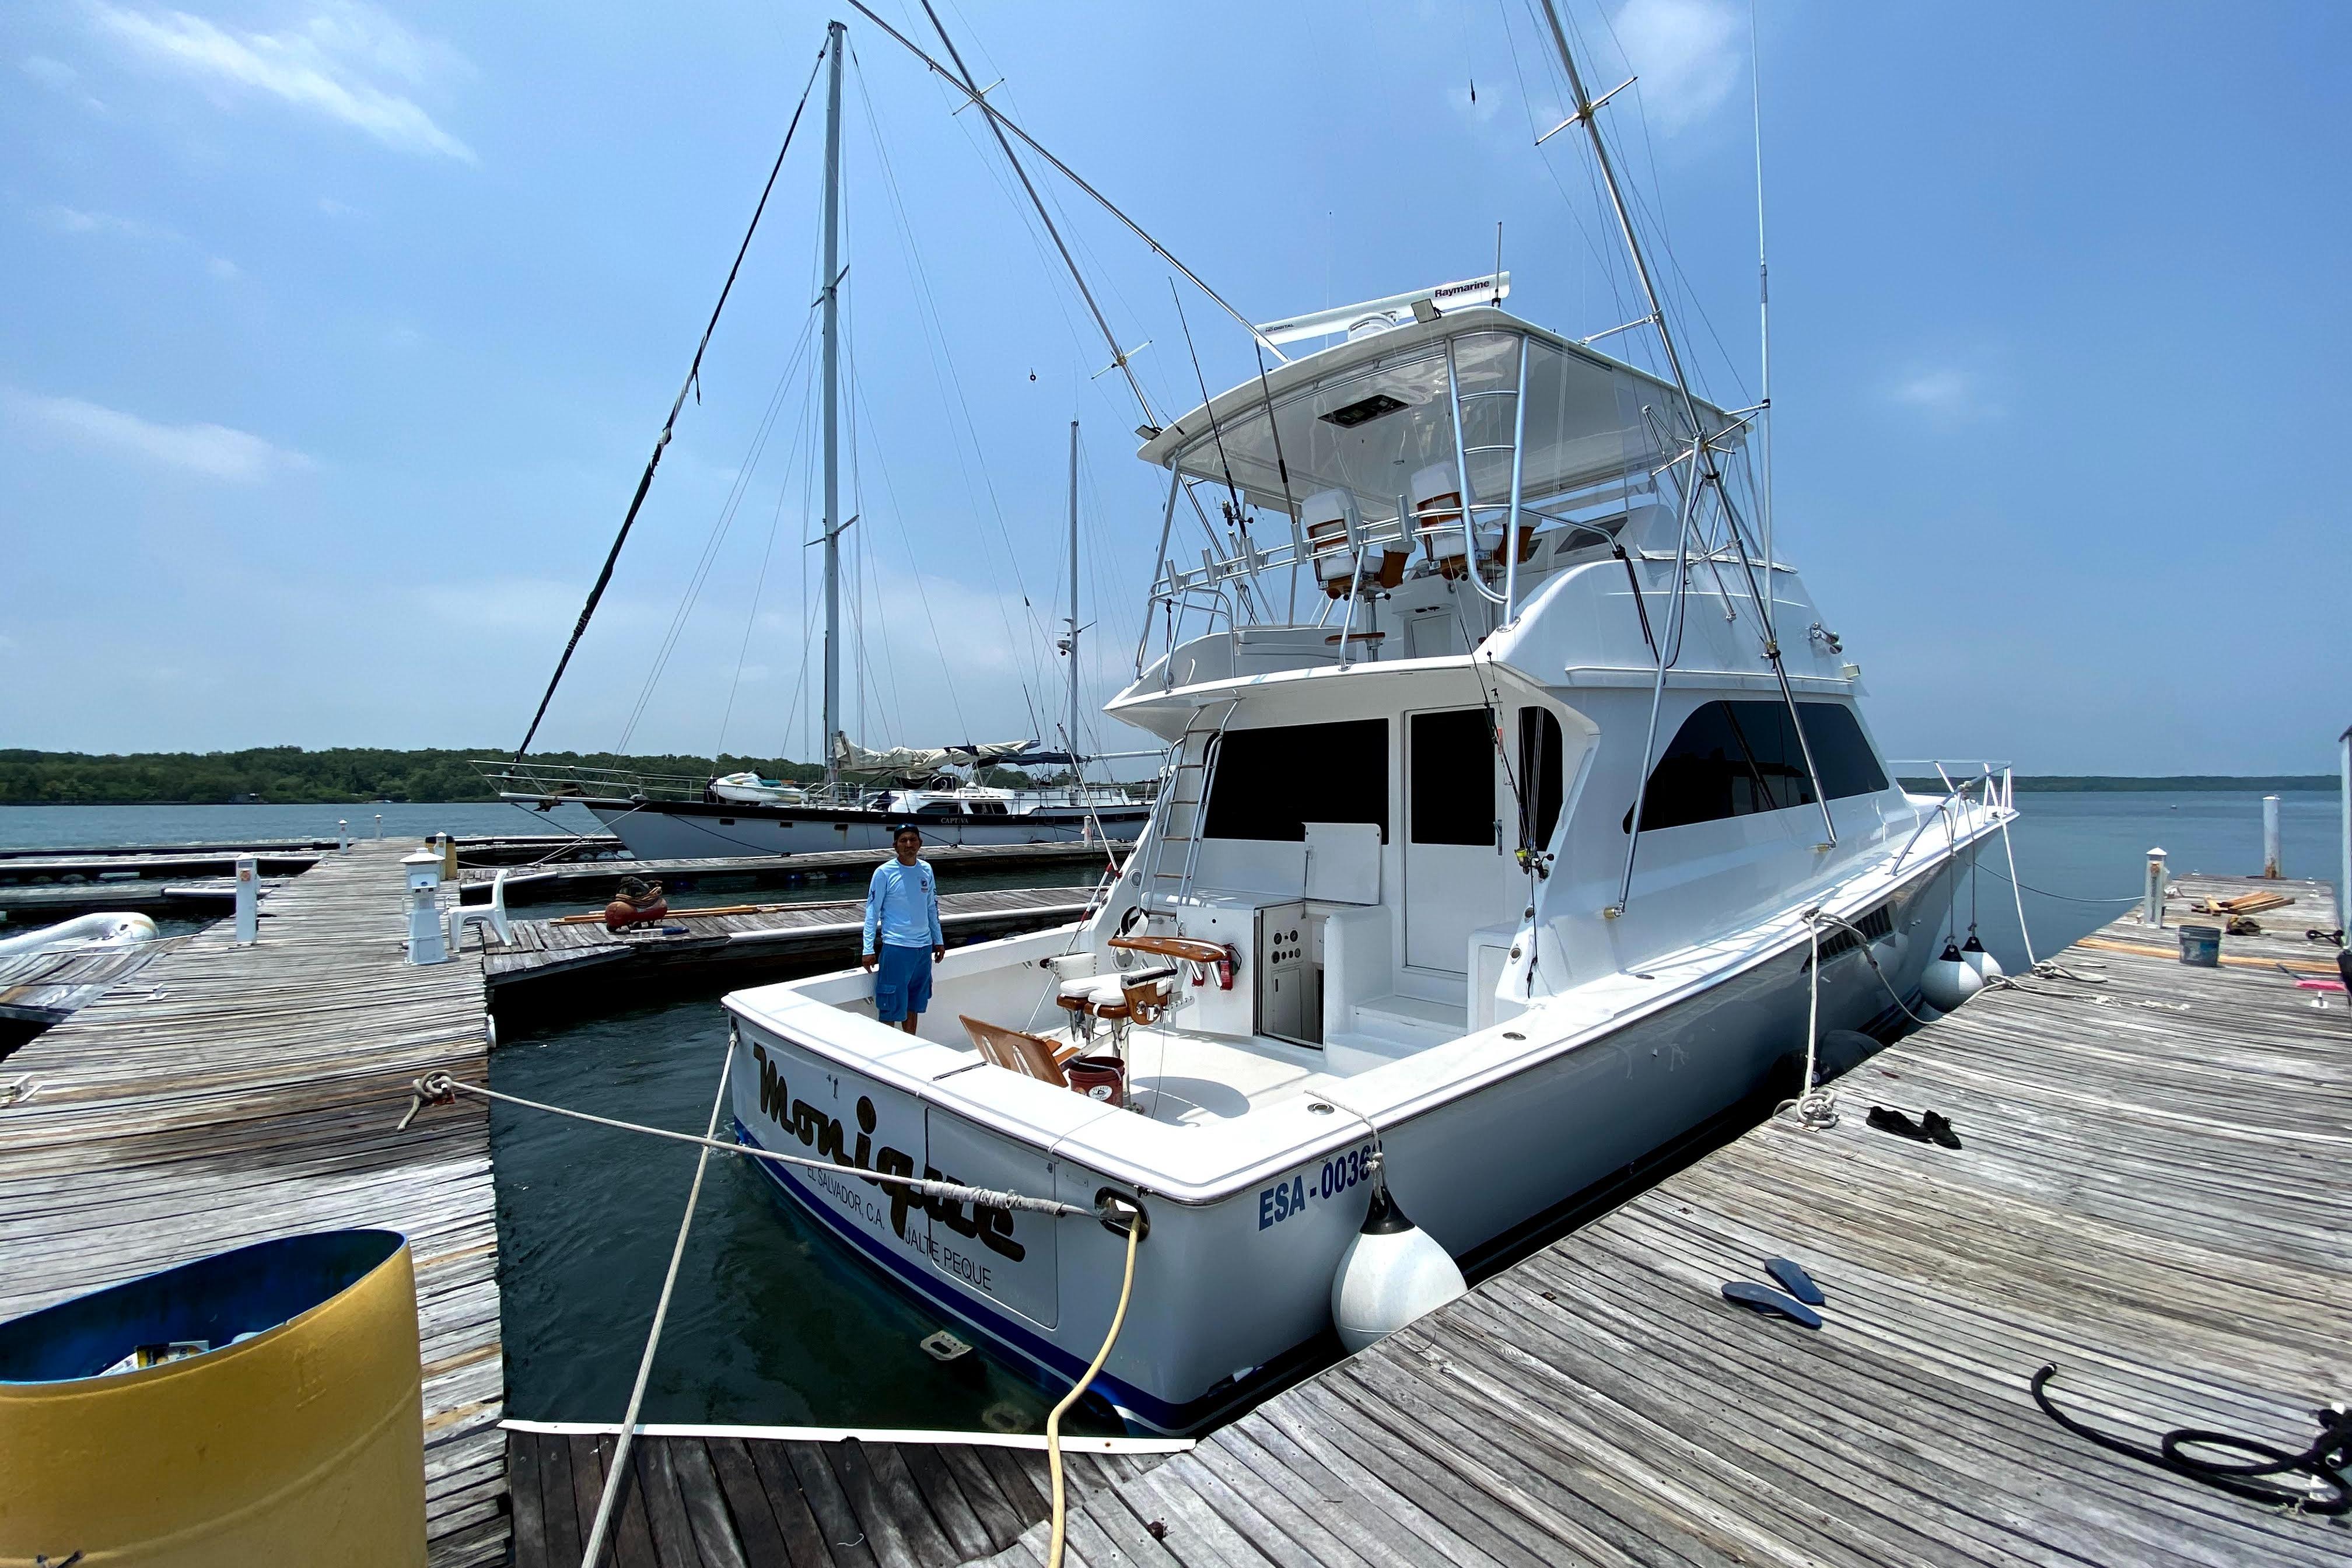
(1391, 910)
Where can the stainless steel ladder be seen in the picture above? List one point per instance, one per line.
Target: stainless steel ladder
(1187, 811)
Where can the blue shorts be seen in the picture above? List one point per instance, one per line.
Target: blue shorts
(902, 982)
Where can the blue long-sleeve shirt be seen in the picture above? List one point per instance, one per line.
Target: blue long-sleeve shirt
(902, 906)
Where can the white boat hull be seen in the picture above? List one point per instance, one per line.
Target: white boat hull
(1226, 1286)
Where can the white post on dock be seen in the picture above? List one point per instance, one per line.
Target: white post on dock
(248, 901)
(342, 833)
(2151, 911)
(2270, 837)
(379, 824)
(427, 942)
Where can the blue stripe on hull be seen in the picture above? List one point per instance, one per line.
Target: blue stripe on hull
(1137, 1407)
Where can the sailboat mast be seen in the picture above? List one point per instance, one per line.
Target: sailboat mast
(1070, 744)
(832, 329)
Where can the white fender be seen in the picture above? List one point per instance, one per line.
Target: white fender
(1390, 1274)
(1948, 981)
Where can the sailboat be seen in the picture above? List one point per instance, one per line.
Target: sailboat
(1548, 830)
(865, 795)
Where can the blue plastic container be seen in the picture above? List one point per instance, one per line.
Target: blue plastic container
(2201, 946)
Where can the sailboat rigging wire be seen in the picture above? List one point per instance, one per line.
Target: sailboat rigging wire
(693, 377)
(963, 79)
(957, 79)
(710, 546)
(953, 401)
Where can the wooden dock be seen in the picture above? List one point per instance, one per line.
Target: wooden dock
(2151, 1193)
(233, 1094)
(731, 1498)
(781, 935)
(583, 881)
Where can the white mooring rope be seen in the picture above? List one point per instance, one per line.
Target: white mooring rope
(618, 1476)
(440, 1089)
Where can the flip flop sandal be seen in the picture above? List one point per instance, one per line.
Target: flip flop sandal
(1895, 1122)
(1763, 1298)
(1795, 1281)
(1935, 1125)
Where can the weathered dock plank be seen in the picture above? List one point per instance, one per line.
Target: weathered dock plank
(718, 1498)
(2151, 1193)
(796, 933)
(586, 880)
(233, 1094)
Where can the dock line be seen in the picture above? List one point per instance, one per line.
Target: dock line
(2323, 1462)
(619, 1476)
(440, 1089)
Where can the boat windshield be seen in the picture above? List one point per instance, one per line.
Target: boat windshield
(1385, 428)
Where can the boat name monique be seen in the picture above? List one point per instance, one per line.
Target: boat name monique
(990, 1225)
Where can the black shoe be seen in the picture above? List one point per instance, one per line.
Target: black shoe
(1895, 1122)
(1935, 1125)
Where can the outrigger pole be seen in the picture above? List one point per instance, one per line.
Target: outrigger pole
(1704, 471)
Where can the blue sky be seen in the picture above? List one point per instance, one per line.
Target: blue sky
(335, 337)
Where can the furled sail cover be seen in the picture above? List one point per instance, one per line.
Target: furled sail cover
(1379, 413)
(910, 762)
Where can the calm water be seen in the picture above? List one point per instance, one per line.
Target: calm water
(95, 827)
(775, 1322)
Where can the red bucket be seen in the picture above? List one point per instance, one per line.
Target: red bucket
(1098, 1078)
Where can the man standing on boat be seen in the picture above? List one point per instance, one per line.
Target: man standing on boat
(902, 912)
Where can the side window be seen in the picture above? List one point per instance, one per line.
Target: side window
(1540, 783)
(1452, 765)
(1270, 783)
(1735, 759)
(1840, 752)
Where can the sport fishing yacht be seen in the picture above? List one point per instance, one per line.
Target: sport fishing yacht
(1519, 813)
(1392, 896)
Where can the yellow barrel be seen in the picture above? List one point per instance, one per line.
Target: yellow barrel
(295, 1435)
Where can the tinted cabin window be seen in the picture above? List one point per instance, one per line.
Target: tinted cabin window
(1539, 775)
(1269, 784)
(1733, 759)
(1453, 778)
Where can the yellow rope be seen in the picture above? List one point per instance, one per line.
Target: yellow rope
(1053, 1422)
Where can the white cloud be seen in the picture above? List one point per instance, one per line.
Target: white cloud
(1948, 395)
(211, 451)
(61, 78)
(1688, 54)
(73, 220)
(324, 65)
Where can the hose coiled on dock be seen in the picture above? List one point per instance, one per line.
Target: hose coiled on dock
(2323, 1461)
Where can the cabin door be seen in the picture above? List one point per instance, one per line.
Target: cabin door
(1452, 827)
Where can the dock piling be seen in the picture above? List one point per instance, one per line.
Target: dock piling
(2270, 837)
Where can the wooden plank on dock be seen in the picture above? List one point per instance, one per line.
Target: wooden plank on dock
(233, 1094)
(773, 1502)
(579, 881)
(47, 988)
(2150, 1195)
(812, 933)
